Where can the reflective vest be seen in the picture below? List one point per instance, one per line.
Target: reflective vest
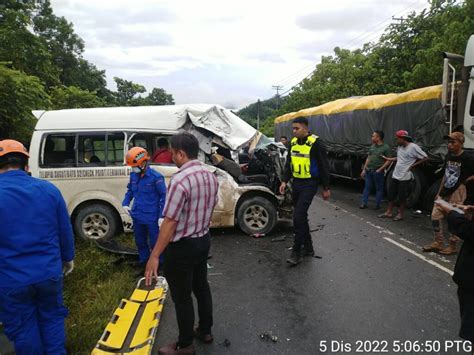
(300, 157)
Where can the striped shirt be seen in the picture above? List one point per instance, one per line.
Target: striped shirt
(191, 198)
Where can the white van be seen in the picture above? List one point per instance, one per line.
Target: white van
(82, 152)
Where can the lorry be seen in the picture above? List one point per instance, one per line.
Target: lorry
(428, 114)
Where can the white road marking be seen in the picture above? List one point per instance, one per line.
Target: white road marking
(383, 230)
(422, 257)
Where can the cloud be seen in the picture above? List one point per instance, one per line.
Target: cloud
(351, 18)
(267, 57)
(218, 51)
(133, 38)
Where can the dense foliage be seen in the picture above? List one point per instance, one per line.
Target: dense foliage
(42, 67)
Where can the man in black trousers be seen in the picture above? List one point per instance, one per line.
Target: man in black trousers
(184, 233)
(308, 167)
(463, 227)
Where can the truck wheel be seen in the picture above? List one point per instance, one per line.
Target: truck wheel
(257, 215)
(96, 222)
(430, 195)
(416, 187)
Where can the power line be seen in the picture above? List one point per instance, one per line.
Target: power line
(366, 33)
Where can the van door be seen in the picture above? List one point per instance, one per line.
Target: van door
(89, 169)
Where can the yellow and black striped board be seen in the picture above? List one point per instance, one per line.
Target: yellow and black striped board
(133, 326)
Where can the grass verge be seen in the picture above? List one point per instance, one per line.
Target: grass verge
(93, 291)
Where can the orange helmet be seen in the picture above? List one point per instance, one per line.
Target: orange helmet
(12, 151)
(136, 156)
(8, 146)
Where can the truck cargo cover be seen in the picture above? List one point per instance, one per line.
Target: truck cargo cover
(346, 125)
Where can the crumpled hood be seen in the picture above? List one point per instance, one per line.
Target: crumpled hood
(233, 131)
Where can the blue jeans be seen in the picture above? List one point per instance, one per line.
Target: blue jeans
(373, 178)
(33, 317)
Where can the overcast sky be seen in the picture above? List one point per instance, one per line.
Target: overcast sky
(218, 51)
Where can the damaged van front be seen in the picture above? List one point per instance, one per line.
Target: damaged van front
(248, 166)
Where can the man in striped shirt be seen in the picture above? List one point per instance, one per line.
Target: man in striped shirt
(184, 233)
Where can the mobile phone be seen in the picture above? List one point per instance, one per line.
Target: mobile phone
(442, 202)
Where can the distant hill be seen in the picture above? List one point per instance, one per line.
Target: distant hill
(268, 109)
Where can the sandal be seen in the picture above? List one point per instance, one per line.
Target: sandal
(397, 218)
(383, 215)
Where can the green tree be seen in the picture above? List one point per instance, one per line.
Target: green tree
(267, 109)
(18, 45)
(19, 95)
(159, 96)
(127, 93)
(65, 46)
(73, 97)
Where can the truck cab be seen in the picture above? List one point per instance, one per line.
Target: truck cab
(458, 92)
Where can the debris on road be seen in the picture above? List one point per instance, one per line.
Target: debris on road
(267, 336)
(226, 343)
(258, 235)
(318, 228)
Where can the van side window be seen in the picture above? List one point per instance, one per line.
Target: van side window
(58, 151)
(115, 143)
(138, 140)
(91, 149)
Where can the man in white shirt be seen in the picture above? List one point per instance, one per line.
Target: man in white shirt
(409, 156)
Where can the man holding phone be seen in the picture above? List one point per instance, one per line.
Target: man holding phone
(460, 224)
(458, 167)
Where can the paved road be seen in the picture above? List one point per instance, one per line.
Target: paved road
(372, 283)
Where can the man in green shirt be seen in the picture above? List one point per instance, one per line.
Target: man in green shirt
(374, 169)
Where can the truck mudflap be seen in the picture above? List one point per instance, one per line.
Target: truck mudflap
(134, 324)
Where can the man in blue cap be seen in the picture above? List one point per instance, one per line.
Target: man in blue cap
(36, 248)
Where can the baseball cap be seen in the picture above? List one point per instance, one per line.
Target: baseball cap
(403, 134)
(458, 136)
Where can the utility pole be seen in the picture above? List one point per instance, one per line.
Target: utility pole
(258, 114)
(277, 88)
(401, 19)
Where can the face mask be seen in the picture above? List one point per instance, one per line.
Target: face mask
(136, 169)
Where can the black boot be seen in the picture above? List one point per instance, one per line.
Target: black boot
(308, 251)
(295, 257)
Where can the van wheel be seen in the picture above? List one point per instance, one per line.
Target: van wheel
(257, 215)
(95, 222)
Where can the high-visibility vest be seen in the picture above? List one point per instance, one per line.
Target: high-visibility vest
(300, 157)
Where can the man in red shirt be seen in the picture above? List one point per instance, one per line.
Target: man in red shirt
(163, 155)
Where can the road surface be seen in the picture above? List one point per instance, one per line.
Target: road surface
(372, 284)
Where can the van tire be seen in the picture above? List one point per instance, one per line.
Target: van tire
(257, 215)
(96, 222)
